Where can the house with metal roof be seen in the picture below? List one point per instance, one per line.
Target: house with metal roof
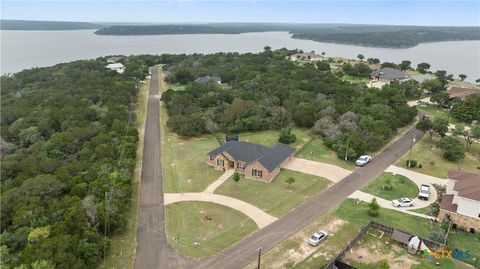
(389, 74)
(252, 160)
(461, 201)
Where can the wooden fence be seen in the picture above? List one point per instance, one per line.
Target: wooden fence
(381, 227)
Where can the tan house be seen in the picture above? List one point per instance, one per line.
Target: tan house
(461, 201)
(253, 160)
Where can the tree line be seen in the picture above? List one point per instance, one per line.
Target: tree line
(68, 157)
(267, 91)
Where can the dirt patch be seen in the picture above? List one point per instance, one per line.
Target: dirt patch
(377, 250)
(304, 250)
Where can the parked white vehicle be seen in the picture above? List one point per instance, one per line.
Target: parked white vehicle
(424, 192)
(363, 160)
(402, 202)
(317, 238)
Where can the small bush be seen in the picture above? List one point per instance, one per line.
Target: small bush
(372, 213)
(432, 163)
(411, 163)
(420, 166)
(388, 187)
(402, 180)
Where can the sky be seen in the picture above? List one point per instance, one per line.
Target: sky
(393, 12)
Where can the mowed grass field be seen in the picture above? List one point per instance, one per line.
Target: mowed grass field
(433, 162)
(343, 223)
(401, 187)
(269, 138)
(465, 241)
(317, 151)
(200, 229)
(276, 197)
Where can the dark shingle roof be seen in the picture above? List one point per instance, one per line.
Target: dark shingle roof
(401, 237)
(389, 73)
(247, 152)
(276, 155)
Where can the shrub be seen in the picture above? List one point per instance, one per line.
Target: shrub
(387, 187)
(372, 213)
(432, 163)
(452, 148)
(411, 163)
(402, 180)
(286, 136)
(420, 166)
(437, 237)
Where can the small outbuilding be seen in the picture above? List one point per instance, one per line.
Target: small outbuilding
(413, 244)
(401, 237)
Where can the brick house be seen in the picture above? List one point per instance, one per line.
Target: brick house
(461, 201)
(252, 160)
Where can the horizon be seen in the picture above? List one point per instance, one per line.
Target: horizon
(373, 12)
(135, 23)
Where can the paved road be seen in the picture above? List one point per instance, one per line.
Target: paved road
(153, 250)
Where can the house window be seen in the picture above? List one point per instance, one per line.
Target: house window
(256, 173)
(220, 162)
(241, 165)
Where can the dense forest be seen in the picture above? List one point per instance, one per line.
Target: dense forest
(46, 25)
(68, 156)
(366, 35)
(267, 91)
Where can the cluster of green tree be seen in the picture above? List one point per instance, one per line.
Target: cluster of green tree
(267, 91)
(396, 38)
(357, 70)
(465, 110)
(367, 35)
(66, 173)
(452, 147)
(46, 25)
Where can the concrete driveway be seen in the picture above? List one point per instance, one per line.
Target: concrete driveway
(329, 171)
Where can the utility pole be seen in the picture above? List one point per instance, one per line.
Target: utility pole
(411, 148)
(259, 255)
(346, 151)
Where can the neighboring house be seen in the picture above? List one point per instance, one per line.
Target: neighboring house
(116, 67)
(388, 75)
(306, 56)
(461, 93)
(423, 77)
(205, 79)
(253, 160)
(461, 201)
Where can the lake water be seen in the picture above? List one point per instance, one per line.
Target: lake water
(26, 49)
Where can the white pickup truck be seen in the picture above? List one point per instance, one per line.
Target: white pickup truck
(424, 192)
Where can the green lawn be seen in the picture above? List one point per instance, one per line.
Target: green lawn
(184, 160)
(465, 241)
(345, 220)
(176, 87)
(268, 138)
(276, 197)
(401, 187)
(317, 151)
(437, 111)
(199, 229)
(434, 164)
(353, 79)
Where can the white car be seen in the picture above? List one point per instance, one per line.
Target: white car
(363, 160)
(317, 238)
(402, 202)
(424, 192)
